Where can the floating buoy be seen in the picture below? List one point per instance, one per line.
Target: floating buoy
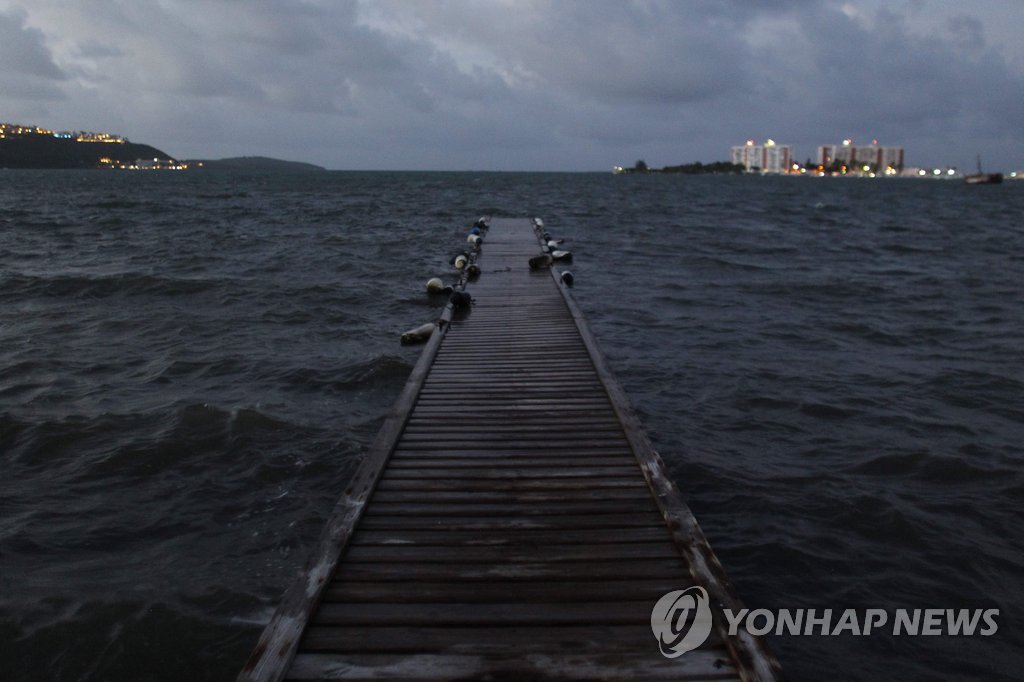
(475, 239)
(472, 270)
(460, 299)
(419, 334)
(555, 242)
(538, 222)
(481, 222)
(568, 278)
(562, 255)
(435, 285)
(460, 261)
(475, 230)
(546, 236)
(542, 261)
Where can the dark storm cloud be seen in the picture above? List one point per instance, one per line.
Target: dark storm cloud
(27, 69)
(530, 83)
(290, 56)
(613, 52)
(879, 79)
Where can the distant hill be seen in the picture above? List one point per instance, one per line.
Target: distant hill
(47, 151)
(30, 146)
(254, 163)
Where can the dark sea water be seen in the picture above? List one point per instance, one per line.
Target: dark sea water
(192, 364)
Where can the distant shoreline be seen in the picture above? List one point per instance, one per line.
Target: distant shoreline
(253, 163)
(36, 148)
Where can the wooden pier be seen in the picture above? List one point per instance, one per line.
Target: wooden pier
(510, 522)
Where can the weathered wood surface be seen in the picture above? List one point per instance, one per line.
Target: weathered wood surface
(513, 520)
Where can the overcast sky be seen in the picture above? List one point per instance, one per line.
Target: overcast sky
(521, 84)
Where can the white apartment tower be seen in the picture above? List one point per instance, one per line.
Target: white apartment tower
(764, 158)
(855, 157)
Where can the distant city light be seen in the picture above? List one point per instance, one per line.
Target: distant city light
(848, 159)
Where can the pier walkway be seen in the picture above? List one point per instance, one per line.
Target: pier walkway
(510, 522)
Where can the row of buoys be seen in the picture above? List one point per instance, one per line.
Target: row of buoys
(464, 262)
(475, 238)
(551, 252)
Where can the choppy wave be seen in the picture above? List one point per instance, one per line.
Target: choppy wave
(191, 367)
(17, 287)
(838, 391)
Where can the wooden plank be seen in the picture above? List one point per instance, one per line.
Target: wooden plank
(524, 665)
(562, 391)
(473, 614)
(473, 452)
(519, 445)
(471, 404)
(483, 419)
(540, 457)
(513, 485)
(460, 472)
(445, 410)
(509, 523)
(401, 463)
(581, 436)
(532, 439)
(546, 554)
(460, 538)
(467, 426)
(485, 571)
(511, 497)
(522, 442)
(624, 639)
(466, 380)
(544, 341)
(471, 385)
(572, 362)
(588, 513)
(628, 589)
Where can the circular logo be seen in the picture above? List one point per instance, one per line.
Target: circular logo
(681, 621)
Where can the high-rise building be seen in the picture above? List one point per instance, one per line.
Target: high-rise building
(763, 158)
(856, 158)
